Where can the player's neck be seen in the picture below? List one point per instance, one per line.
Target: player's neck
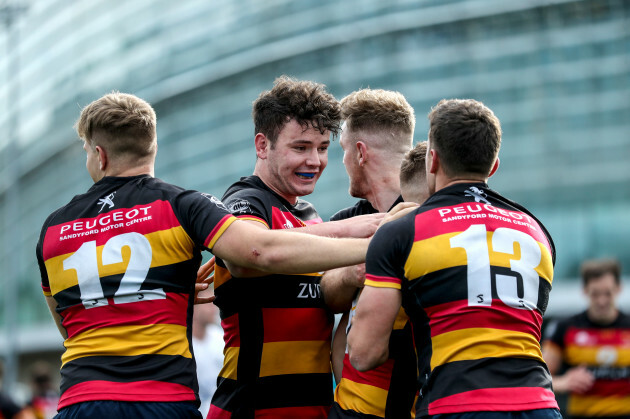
(446, 182)
(383, 190)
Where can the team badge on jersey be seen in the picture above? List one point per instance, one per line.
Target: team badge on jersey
(108, 200)
(478, 194)
(215, 201)
(240, 206)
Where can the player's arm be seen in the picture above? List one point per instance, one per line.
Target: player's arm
(575, 380)
(52, 305)
(359, 227)
(339, 286)
(244, 245)
(368, 339)
(338, 352)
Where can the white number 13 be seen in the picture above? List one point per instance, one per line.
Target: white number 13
(84, 262)
(474, 242)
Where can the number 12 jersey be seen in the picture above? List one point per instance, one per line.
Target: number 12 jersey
(121, 262)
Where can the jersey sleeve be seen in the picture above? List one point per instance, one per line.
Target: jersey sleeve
(388, 250)
(249, 204)
(204, 217)
(39, 253)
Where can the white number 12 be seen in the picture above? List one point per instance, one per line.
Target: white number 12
(474, 242)
(84, 262)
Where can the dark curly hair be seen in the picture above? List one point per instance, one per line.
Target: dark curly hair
(305, 101)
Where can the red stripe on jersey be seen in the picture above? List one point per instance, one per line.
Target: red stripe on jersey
(510, 399)
(284, 219)
(137, 391)
(594, 336)
(445, 220)
(295, 324)
(458, 315)
(606, 388)
(377, 278)
(378, 377)
(231, 333)
(67, 237)
(45, 289)
(216, 229)
(218, 413)
(170, 310)
(302, 412)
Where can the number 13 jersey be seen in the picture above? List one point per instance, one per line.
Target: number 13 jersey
(121, 263)
(475, 271)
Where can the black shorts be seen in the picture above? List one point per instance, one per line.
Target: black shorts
(107, 409)
(526, 414)
(336, 412)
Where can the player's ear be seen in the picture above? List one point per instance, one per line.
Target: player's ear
(434, 161)
(102, 158)
(262, 144)
(362, 153)
(495, 167)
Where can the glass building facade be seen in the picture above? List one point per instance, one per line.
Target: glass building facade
(555, 72)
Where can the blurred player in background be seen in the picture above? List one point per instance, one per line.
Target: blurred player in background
(594, 346)
(473, 271)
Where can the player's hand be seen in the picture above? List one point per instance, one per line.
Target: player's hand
(400, 210)
(362, 226)
(205, 277)
(576, 380)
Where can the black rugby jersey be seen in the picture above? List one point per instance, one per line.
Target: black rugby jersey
(605, 351)
(389, 390)
(362, 207)
(277, 329)
(475, 271)
(121, 262)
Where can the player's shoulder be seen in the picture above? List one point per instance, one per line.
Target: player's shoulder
(247, 187)
(362, 207)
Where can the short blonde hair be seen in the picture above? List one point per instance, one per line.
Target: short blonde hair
(123, 124)
(378, 110)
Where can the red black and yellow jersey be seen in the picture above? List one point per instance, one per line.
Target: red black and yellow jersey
(605, 351)
(277, 329)
(475, 271)
(121, 262)
(389, 390)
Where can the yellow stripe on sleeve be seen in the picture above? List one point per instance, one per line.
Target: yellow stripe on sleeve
(220, 231)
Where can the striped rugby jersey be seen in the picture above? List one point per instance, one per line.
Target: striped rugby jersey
(475, 271)
(605, 351)
(277, 329)
(389, 390)
(121, 262)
